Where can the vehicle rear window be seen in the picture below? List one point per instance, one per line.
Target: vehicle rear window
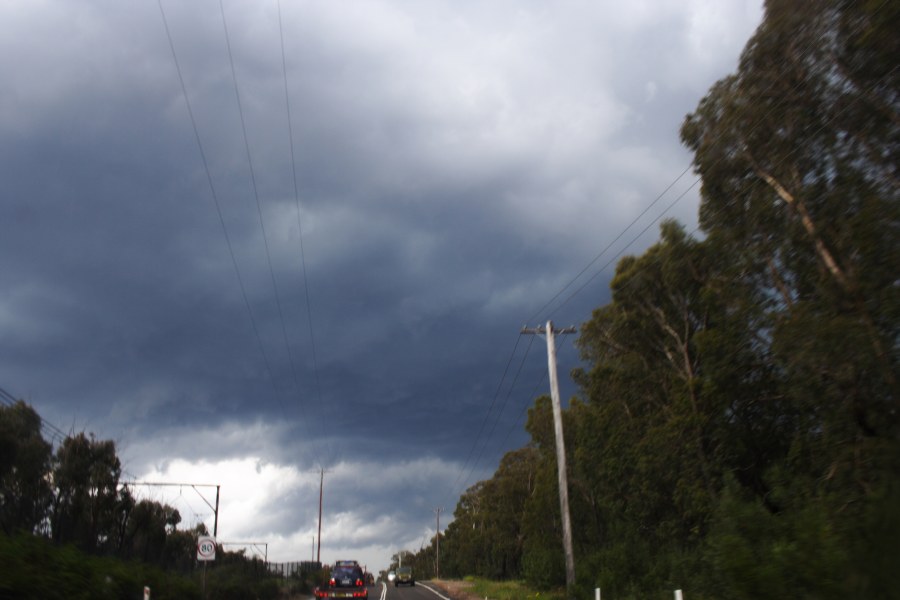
(344, 575)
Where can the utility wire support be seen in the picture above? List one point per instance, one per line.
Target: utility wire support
(560, 448)
(193, 486)
(437, 560)
(254, 545)
(322, 472)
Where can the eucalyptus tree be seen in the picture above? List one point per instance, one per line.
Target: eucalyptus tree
(797, 152)
(25, 457)
(86, 495)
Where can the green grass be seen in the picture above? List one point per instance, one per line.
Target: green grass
(511, 590)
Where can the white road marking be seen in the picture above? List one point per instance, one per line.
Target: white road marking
(432, 590)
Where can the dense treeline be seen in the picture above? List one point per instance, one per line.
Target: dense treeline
(73, 496)
(70, 529)
(736, 433)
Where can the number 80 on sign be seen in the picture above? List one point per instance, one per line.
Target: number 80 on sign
(206, 548)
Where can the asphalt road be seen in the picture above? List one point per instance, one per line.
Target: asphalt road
(420, 591)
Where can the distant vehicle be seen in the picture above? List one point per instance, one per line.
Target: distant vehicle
(347, 581)
(391, 576)
(405, 576)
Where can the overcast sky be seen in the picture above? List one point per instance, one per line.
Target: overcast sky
(336, 275)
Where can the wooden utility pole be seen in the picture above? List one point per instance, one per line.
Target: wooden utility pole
(560, 449)
(321, 486)
(437, 560)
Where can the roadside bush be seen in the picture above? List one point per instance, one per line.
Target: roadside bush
(34, 568)
(543, 568)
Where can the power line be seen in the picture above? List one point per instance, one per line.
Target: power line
(309, 319)
(193, 486)
(608, 246)
(51, 431)
(486, 416)
(215, 198)
(500, 410)
(626, 247)
(758, 123)
(262, 225)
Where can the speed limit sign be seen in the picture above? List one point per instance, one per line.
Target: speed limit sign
(206, 548)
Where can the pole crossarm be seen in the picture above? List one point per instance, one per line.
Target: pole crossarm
(542, 330)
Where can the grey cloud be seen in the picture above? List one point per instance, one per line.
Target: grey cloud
(457, 165)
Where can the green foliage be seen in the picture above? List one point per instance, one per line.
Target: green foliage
(738, 431)
(24, 462)
(241, 580)
(86, 478)
(486, 535)
(34, 568)
(543, 567)
(512, 590)
(147, 530)
(88, 515)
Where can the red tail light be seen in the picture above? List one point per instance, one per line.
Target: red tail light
(332, 583)
(359, 583)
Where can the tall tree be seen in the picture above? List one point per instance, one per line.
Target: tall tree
(24, 464)
(86, 479)
(797, 151)
(739, 422)
(486, 536)
(148, 525)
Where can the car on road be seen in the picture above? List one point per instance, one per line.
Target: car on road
(392, 576)
(404, 576)
(347, 581)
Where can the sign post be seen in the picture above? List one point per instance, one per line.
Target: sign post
(206, 551)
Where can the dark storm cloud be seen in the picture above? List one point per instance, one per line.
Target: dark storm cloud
(456, 166)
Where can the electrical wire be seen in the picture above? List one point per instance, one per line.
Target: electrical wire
(50, 431)
(215, 198)
(512, 386)
(262, 225)
(775, 107)
(571, 282)
(290, 127)
(488, 414)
